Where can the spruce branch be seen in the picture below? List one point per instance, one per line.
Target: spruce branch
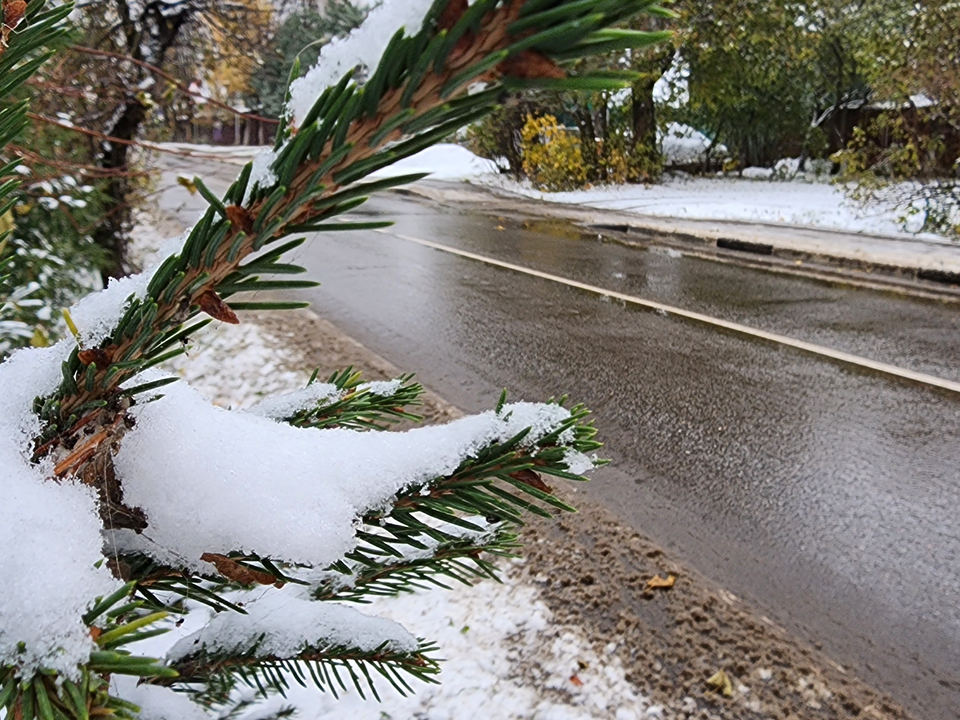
(325, 666)
(414, 98)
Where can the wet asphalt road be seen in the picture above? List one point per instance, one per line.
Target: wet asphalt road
(825, 495)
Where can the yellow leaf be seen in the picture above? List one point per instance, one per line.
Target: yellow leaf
(187, 183)
(720, 682)
(664, 583)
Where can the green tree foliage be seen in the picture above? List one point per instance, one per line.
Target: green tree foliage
(908, 154)
(47, 258)
(300, 37)
(764, 76)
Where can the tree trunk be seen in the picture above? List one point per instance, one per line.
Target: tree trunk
(111, 233)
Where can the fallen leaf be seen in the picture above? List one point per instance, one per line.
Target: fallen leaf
(232, 570)
(240, 218)
(721, 683)
(664, 583)
(531, 64)
(95, 633)
(576, 681)
(215, 307)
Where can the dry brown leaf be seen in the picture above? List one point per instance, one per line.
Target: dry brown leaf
(720, 682)
(451, 14)
(531, 64)
(13, 12)
(215, 307)
(240, 218)
(664, 583)
(576, 681)
(95, 355)
(529, 477)
(232, 570)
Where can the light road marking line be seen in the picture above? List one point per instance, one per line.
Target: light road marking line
(699, 317)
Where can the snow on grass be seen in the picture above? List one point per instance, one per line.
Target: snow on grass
(811, 204)
(50, 533)
(443, 162)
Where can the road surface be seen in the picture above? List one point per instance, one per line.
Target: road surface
(823, 492)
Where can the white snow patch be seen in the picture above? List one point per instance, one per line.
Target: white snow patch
(362, 48)
(443, 162)
(50, 532)
(280, 407)
(216, 481)
(155, 702)
(799, 203)
(261, 174)
(382, 388)
(279, 623)
(684, 145)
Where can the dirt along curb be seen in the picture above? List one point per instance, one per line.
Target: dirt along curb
(914, 267)
(595, 574)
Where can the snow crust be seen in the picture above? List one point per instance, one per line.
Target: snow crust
(50, 532)
(261, 173)
(97, 314)
(280, 407)
(279, 623)
(362, 48)
(216, 481)
(155, 702)
(443, 162)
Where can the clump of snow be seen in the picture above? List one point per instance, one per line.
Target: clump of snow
(216, 481)
(97, 314)
(382, 388)
(261, 174)
(757, 173)
(279, 623)
(280, 407)
(577, 462)
(443, 162)
(362, 48)
(156, 703)
(50, 532)
(684, 145)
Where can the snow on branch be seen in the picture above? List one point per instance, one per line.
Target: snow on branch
(50, 534)
(215, 481)
(362, 49)
(280, 624)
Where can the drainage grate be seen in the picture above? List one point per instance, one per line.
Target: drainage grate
(939, 276)
(755, 248)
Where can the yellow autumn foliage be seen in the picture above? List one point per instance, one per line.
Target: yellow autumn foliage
(552, 157)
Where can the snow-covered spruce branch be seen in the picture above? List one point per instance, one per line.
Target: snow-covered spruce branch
(204, 504)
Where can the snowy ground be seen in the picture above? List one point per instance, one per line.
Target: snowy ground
(788, 202)
(502, 651)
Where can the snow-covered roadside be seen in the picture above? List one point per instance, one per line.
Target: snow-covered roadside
(799, 202)
(502, 651)
(817, 205)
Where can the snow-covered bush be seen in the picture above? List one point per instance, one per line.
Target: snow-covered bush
(128, 500)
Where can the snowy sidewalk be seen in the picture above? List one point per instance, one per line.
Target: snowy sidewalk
(794, 217)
